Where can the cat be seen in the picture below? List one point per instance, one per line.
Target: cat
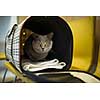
(38, 46)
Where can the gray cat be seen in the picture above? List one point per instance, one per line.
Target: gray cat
(38, 47)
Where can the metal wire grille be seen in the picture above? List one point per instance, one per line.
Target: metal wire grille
(13, 46)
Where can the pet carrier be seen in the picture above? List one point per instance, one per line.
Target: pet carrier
(63, 43)
(62, 51)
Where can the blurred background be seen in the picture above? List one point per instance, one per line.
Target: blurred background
(6, 23)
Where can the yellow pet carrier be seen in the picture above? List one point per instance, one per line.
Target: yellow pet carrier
(70, 46)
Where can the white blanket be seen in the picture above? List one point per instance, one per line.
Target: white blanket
(27, 66)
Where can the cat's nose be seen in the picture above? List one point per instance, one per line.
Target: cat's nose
(43, 49)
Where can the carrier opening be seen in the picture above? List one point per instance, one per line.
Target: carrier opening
(62, 48)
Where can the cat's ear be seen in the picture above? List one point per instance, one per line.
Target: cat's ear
(35, 35)
(50, 35)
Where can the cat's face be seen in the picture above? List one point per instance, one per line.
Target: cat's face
(42, 43)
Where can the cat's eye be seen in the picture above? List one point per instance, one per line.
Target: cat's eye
(45, 44)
